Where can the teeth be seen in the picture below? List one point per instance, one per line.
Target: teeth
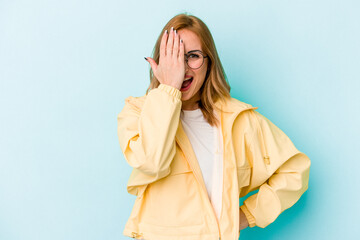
(188, 79)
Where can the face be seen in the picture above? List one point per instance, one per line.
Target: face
(192, 94)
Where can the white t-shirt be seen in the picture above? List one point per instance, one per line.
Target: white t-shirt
(206, 142)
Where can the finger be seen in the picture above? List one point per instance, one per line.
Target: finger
(182, 51)
(176, 45)
(163, 44)
(170, 43)
(152, 63)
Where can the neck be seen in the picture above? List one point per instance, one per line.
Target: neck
(192, 103)
(191, 107)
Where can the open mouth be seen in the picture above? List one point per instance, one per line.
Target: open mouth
(186, 84)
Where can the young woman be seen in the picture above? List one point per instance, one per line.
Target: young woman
(195, 150)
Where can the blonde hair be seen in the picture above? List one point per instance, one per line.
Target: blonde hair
(215, 86)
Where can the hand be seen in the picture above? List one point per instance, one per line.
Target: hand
(243, 220)
(171, 68)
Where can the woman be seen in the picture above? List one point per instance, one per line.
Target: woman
(195, 150)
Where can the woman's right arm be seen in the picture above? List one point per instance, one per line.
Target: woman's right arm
(147, 135)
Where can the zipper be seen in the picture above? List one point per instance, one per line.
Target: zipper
(232, 145)
(136, 235)
(263, 145)
(223, 149)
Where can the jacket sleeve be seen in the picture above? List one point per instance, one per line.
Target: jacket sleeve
(279, 171)
(147, 135)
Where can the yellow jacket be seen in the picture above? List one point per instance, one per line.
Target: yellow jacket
(172, 202)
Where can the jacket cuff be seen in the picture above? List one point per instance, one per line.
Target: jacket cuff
(250, 218)
(171, 90)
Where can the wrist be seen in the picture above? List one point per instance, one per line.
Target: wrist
(171, 90)
(174, 86)
(243, 220)
(249, 217)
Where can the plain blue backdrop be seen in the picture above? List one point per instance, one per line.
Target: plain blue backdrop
(67, 66)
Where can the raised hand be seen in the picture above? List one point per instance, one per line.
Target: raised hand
(171, 67)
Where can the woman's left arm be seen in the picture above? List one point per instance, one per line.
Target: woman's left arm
(279, 170)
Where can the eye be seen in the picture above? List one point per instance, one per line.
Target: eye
(194, 55)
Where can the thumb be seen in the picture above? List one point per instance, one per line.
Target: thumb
(152, 63)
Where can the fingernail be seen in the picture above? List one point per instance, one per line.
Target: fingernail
(175, 31)
(172, 28)
(145, 58)
(166, 31)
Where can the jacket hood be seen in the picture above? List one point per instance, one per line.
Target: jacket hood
(232, 105)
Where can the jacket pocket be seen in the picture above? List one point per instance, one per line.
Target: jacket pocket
(174, 201)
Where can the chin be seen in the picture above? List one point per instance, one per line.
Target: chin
(184, 99)
(188, 99)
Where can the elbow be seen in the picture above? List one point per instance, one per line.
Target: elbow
(153, 163)
(155, 170)
(306, 172)
(303, 172)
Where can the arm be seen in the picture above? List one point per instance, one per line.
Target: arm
(147, 135)
(281, 178)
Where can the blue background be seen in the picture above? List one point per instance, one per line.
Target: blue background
(67, 66)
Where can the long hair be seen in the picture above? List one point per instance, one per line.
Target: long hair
(215, 86)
